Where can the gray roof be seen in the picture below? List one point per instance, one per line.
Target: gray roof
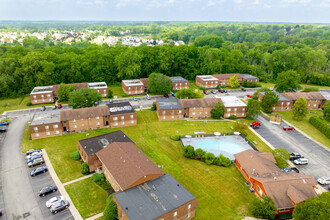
(120, 108)
(326, 94)
(248, 76)
(280, 96)
(40, 118)
(176, 79)
(169, 103)
(154, 198)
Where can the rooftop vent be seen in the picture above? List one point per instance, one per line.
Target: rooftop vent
(253, 171)
(275, 178)
(178, 184)
(126, 208)
(304, 180)
(104, 142)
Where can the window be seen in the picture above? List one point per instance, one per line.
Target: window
(34, 97)
(206, 83)
(179, 117)
(47, 133)
(243, 109)
(56, 132)
(172, 112)
(193, 113)
(189, 206)
(273, 108)
(288, 103)
(104, 90)
(164, 117)
(64, 122)
(188, 215)
(74, 120)
(106, 116)
(35, 128)
(97, 117)
(175, 213)
(314, 105)
(122, 117)
(37, 135)
(132, 116)
(194, 108)
(129, 92)
(117, 188)
(48, 95)
(129, 88)
(132, 122)
(163, 112)
(186, 84)
(228, 115)
(179, 111)
(42, 96)
(55, 126)
(46, 127)
(281, 108)
(282, 103)
(98, 123)
(242, 114)
(49, 100)
(123, 123)
(74, 126)
(172, 117)
(176, 84)
(43, 100)
(115, 124)
(115, 118)
(235, 109)
(228, 110)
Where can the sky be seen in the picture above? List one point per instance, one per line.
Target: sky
(296, 11)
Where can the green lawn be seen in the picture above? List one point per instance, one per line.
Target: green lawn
(306, 127)
(87, 196)
(15, 104)
(220, 192)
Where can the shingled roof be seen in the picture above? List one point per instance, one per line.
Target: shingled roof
(128, 165)
(80, 113)
(307, 95)
(286, 189)
(144, 81)
(227, 76)
(190, 103)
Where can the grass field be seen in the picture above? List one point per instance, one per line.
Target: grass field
(307, 127)
(220, 192)
(15, 104)
(87, 196)
(272, 85)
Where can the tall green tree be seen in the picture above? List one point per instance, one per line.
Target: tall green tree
(326, 111)
(129, 64)
(300, 109)
(159, 84)
(188, 94)
(64, 91)
(264, 209)
(84, 98)
(268, 101)
(233, 82)
(253, 109)
(313, 208)
(217, 110)
(288, 81)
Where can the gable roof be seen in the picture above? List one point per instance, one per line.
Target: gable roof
(154, 198)
(307, 95)
(175, 79)
(280, 96)
(70, 114)
(144, 81)
(190, 103)
(169, 103)
(94, 144)
(127, 163)
(248, 76)
(227, 76)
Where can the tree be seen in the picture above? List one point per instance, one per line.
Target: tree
(64, 91)
(268, 101)
(111, 209)
(313, 208)
(299, 109)
(217, 110)
(84, 98)
(188, 94)
(129, 64)
(233, 82)
(189, 151)
(159, 84)
(199, 153)
(287, 81)
(264, 209)
(110, 93)
(222, 161)
(209, 158)
(253, 109)
(326, 111)
(211, 40)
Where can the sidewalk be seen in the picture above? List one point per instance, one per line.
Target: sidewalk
(76, 180)
(95, 216)
(60, 186)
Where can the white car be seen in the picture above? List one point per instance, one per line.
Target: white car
(324, 180)
(53, 200)
(34, 154)
(301, 161)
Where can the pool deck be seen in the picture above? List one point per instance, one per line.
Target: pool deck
(232, 139)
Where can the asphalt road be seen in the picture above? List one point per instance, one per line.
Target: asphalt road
(293, 141)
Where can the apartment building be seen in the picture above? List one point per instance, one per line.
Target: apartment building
(315, 100)
(233, 106)
(249, 78)
(169, 109)
(224, 78)
(179, 83)
(198, 108)
(44, 124)
(133, 86)
(283, 104)
(207, 81)
(121, 115)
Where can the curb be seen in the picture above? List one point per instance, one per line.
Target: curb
(60, 186)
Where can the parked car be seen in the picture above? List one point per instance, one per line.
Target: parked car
(32, 151)
(59, 106)
(249, 96)
(53, 200)
(38, 171)
(295, 169)
(47, 190)
(166, 96)
(39, 153)
(54, 107)
(36, 162)
(221, 91)
(294, 156)
(213, 92)
(301, 161)
(43, 108)
(4, 123)
(205, 92)
(243, 89)
(110, 101)
(3, 129)
(286, 169)
(59, 206)
(148, 97)
(288, 128)
(255, 124)
(324, 180)
(33, 158)
(173, 94)
(0, 213)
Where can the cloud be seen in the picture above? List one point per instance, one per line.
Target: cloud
(91, 2)
(325, 3)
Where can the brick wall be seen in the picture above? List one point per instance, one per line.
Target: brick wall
(45, 130)
(198, 112)
(78, 125)
(41, 98)
(169, 114)
(132, 90)
(180, 85)
(240, 112)
(207, 84)
(123, 120)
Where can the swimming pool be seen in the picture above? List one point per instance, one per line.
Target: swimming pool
(225, 145)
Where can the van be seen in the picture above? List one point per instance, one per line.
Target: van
(301, 161)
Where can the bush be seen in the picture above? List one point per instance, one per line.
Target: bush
(209, 158)
(85, 169)
(285, 216)
(144, 93)
(174, 90)
(233, 117)
(320, 125)
(124, 95)
(175, 137)
(217, 110)
(29, 103)
(110, 93)
(111, 210)
(252, 85)
(241, 127)
(189, 151)
(199, 153)
(218, 86)
(153, 107)
(104, 184)
(264, 209)
(96, 177)
(75, 155)
(310, 89)
(188, 94)
(223, 86)
(202, 88)
(222, 161)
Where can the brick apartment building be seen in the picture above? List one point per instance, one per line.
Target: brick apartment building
(249, 78)
(207, 81)
(198, 108)
(169, 109)
(285, 188)
(47, 94)
(283, 104)
(79, 120)
(212, 81)
(179, 83)
(224, 78)
(233, 106)
(133, 87)
(315, 100)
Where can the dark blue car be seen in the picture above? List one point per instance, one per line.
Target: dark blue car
(33, 158)
(4, 123)
(38, 171)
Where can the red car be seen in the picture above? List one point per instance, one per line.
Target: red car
(255, 124)
(205, 92)
(249, 96)
(59, 106)
(288, 128)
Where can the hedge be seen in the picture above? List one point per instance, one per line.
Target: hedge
(75, 155)
(175, 137)
(320, 125)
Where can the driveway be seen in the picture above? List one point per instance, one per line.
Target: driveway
(293, 141)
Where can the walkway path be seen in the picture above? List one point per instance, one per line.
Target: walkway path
(95, 216)
(76, 180)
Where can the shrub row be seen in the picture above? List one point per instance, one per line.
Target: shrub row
(320, 125)
(206, 157)
(175, 137)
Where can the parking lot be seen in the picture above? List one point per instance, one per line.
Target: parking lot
(235, 92)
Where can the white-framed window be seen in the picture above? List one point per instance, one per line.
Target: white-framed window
(74, 126)
(189, 206)
(273, 108)
(115, 118)
(179, 111)
(123, 123)
(172, 117)
(288, 103)
(282, 103)
(37, 135)
(43, 100)
(129, 92)
(243, 109)
(42, 96)
(163, 112)
(129, 88)
(229, 109)
(132, 116)
(228, 115)
(48, 95)
(122, 117)
(164, 117)
(194, 108)
(82, 119)
(314, 105)
(46, 127)
(172, 112)
(35, 128)
(188, 215)
(56, 132)
(97, 123)
(185, 83)
(309, 104)
(117, 188)
(193, 113)
(206, 83)
(242, 114)
(115, 124)
(179, 117)
(36, 101)
(34, 97)
(55, 126)
(97, 117)
(176, 84)
(175, 213)
(49, 100)
(235, 109)
(132, 122)
(281, 108)
(104, 90)
(74, 120)
(47, 133)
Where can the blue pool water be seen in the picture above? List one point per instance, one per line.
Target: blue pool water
(229, 147)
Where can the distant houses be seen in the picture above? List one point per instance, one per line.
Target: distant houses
(48, 124)
(212, 81)
(47, 94)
